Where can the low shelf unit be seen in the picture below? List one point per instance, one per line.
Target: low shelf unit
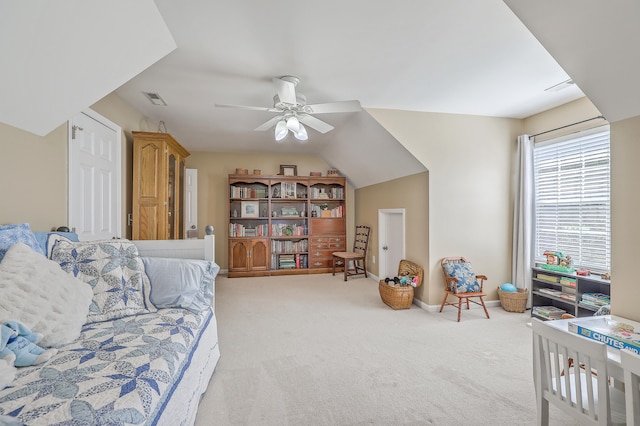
(574, 294)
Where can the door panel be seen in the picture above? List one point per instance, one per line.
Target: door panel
(94, 177)
(191, 203)
(391, 241)
(259, 255)
(238, 256)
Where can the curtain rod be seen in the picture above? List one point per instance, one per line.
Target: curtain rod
(569, 125)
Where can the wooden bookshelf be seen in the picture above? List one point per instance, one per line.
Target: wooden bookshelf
(281, 225)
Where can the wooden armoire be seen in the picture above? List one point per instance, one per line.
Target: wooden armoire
(158, 187)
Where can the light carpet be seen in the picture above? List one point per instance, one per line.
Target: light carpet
(315, 350)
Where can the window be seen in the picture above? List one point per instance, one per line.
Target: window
(572, 199)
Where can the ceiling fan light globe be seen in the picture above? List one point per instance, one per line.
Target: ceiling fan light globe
(281, 130)
(301, 135)
(293, 124)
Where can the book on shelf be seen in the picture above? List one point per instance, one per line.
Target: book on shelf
(247, 192)
(548, 278)
(611, 332)
(287, 261)
(570, 282)
(550, 291)
(596, 299)
(550, 312)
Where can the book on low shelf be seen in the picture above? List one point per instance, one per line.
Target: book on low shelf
(611, 332)
(596, 299)
(551, 291)
(548, 278)
(550, 312)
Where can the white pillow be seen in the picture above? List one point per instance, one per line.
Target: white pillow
(36, 292)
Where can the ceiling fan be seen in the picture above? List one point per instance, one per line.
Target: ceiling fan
(293, 111)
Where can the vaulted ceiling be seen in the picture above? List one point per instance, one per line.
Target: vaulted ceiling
(453, 56)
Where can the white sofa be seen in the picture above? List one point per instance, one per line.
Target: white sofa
(145, 353)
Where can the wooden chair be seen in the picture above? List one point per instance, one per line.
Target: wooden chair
(587, 398)
(463, 291)
(631, 367)
(358, 256)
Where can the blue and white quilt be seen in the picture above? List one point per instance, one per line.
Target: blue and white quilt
(118, 372)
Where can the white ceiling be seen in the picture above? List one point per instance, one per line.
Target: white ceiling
(58, 58)
(596, 42)
(454, 56)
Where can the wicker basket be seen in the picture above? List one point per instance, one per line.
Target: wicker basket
(514, 301)
(401, 296)
(396, 296)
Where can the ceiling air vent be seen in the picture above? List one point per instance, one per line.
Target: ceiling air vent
(155, 99)
(560, 86)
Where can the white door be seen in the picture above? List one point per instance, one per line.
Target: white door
(391, 241)
(191, 203)
(94, 177)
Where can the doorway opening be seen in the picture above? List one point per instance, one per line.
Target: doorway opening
(391, 241)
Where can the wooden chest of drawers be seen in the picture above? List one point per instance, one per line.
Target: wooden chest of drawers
(321, 247)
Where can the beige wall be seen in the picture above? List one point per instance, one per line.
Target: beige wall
(213, 191)
(470, 161)
(625, 223)
(33, 170)
(410, 193)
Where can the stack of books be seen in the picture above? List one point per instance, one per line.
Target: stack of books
(550, 312)
(551, 291)
(545, 277)
(594, 300)
(287, 261)
(570, 282)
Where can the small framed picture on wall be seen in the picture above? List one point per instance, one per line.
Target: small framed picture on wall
(288, 170)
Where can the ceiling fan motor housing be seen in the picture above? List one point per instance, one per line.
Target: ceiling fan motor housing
(301, 101)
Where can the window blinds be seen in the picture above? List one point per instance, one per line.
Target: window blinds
(572, 199)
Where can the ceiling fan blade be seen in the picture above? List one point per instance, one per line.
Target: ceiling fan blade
(269, 124)
(316, 124)
(342, 106)
(252, 108)
(286, 89)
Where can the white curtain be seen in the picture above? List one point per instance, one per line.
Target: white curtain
(523, 215)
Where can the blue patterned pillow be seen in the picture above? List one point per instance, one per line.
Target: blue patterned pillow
(467, 282)
(115, 272)
(17, 233)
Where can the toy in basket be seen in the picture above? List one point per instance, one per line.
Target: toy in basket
(513, 299)
(397, 292)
